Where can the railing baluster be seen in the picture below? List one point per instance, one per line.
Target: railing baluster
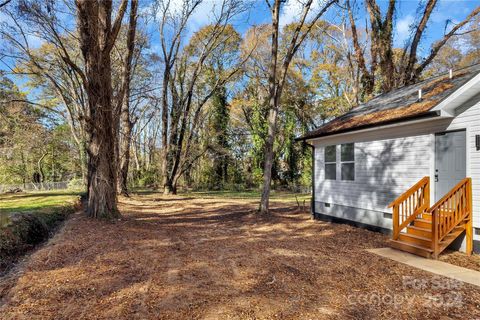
(451, 210)
(410, 205)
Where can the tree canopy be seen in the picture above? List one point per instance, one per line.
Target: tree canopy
(123, 94)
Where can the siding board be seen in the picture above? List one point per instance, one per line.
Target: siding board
(390, 160)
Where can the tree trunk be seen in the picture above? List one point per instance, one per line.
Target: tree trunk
(126, 125)
(276, 82)
(102, 196)
(367, 80)
(97, 37)
(166, 181)
(273, 110)
(83, 163)
(125, 142)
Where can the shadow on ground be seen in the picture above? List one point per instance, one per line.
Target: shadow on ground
(184, 258)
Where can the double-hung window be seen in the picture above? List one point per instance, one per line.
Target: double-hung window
(331, 162)
(347, 161)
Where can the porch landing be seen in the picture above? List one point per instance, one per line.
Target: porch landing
(433, 266)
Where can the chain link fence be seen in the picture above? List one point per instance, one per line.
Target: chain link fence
(30, 186)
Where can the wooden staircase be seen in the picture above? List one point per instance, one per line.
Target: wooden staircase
(427, 231)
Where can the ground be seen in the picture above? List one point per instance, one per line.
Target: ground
(33, 202)
(214, 258)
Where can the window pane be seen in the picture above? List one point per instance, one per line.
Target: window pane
(348, 171)
(330, 154)
(331, 171)
(348, 152)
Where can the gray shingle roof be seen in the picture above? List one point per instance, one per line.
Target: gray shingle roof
(398, 105)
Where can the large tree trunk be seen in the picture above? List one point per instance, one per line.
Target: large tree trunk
(97, 38)
(102, 196)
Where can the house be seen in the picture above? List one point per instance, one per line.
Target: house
(406, 162)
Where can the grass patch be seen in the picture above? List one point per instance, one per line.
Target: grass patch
(27, 219)
(34, 202)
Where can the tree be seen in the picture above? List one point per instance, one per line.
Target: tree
(219, 130)
(123, 105)
(460, 51)
(170, 50)
(277, 78)
(384, 71)
(50, 158)
(181, 75)
(47, 72)
(97, 37)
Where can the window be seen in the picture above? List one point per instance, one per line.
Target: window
(331, 162)
(347, 159)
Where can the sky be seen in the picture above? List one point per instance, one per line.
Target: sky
(452, 10)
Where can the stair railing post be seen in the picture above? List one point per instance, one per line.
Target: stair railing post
(469, 224)
(435, 234)
(395, 222)
(427, 194)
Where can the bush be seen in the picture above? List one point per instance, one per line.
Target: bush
(76, 184)
(149, 178)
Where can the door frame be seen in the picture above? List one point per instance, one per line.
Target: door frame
(433, 158)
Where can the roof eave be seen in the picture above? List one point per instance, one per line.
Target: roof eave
(426, 115)
(460, 96)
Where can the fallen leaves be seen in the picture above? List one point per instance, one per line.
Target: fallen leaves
(171, 258)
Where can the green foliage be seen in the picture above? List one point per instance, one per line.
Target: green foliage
(148, 178)
(32, 142)
(76, 184)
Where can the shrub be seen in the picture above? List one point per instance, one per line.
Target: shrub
(76, 184)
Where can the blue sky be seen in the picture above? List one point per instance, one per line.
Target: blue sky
(406, 14)
(454, 10)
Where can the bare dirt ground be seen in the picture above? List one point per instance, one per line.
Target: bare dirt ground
(185, 258)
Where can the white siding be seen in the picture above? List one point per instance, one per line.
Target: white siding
(390, 160)
(383, 170)
(470, 120)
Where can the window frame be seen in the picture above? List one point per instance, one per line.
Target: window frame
(330, 163)
(342, 162)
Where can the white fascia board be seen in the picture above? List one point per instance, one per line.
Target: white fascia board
(443, 115)
(464, 93)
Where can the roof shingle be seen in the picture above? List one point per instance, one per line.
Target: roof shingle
(397, 105)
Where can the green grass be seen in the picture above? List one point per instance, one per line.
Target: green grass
(34, 202)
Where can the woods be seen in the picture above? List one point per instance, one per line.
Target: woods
(196, 95)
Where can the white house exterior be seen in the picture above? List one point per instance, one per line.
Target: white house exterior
(359, 170)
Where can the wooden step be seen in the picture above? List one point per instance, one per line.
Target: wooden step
(422, 232)
(454, 234)
(427, 216)
(422, 223)
(422, 251)
(414, 239)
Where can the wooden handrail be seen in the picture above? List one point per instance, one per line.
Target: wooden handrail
(423, 181)
(449, 194)
(409, 205)
(450, 211)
